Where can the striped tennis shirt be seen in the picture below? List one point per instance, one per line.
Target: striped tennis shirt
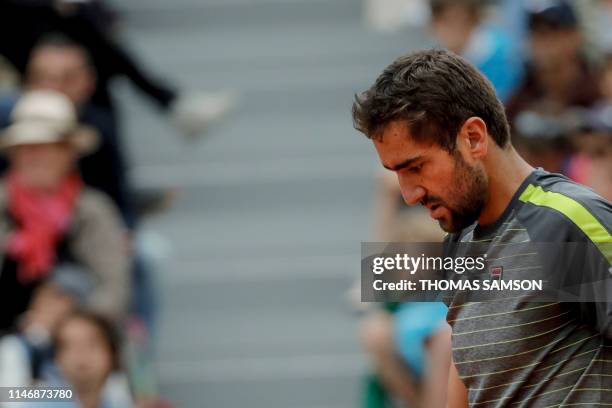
(516, 352)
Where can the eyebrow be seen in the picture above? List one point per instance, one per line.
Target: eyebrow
(403, 164)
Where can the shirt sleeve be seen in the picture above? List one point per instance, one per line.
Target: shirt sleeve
(578, 255)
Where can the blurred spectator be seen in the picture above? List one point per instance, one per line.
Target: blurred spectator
(513, 16)
(409, 343)
(410, 349)
(27, 354)
(50, 219)
(544, 140)
(82, 62)
(460, 26)
(87, 350)
(58, 63)
(593, 163)
(25, 22)
(558, 74)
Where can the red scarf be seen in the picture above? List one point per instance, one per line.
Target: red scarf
(41, 219)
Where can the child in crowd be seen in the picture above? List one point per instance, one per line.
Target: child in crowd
(87, 355)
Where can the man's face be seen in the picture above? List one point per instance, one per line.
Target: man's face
(42, 166)
(63, 69)
(452, 186)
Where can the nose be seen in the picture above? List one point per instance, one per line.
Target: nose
(412, 194)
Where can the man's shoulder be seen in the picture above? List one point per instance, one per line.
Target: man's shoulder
(555, 208)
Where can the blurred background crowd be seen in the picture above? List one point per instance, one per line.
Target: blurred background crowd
(78, 300)
(111, 206)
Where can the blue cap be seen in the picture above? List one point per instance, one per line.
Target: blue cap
(551, 14)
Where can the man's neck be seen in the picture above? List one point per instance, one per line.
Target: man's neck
(507, 171)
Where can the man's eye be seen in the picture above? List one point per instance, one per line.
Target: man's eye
(415, 169)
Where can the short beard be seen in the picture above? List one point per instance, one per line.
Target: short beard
(470, 190)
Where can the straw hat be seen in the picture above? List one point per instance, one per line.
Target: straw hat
(47, 117)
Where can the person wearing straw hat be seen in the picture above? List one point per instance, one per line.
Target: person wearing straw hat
(48, 218)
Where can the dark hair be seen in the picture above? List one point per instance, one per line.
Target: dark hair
(557, 16)
(60, 40)
(435, 91)
(107, 329)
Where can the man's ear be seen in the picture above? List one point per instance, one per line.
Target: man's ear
(474, 137)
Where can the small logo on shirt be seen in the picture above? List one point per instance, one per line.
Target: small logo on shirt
(496, 272)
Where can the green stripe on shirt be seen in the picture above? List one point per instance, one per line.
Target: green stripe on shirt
(576, 212)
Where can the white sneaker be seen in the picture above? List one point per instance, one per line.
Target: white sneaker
(192, 113)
